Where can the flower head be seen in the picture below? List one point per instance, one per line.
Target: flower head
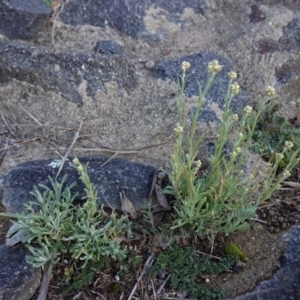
(288, 144)
(248, 110)
(234, 88)
(214, 67)
(80, 168)
(279, 156)
(198, 163)
(286, 173)
(240, 135)
(270, 91)
(76, 161)
(178, 129)
(235, 117)
(232, 75)
(238, 150)
(185, 65)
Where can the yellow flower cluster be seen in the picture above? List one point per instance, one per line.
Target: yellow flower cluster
(234, 88)
(214, 67)
(279, 156)
(232, 75)
(235, 117)
(78, 165)
(270, 91)
(198, 163)
(185, 65)
(248, 110)
(178, 129)
(288, 144)
(286, 173)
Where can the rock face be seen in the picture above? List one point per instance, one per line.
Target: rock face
(18, 280)
(128, 16)
(22, 19)
(109, 179)
(64, 73)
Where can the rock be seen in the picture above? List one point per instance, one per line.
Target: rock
(21, 19)
(107, 47)
(109, 180)
(256, 14)
(18, 280)
(127, 17)
(64, 73)
(285, 283)
(198, 74)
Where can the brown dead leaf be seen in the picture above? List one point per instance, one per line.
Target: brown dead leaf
(157, 192)
(127, 206)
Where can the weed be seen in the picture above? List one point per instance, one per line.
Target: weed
(270, 134)
(221, 201)
(52, 226)
(187, 270)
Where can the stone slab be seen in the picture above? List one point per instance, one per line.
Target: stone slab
(64, 73)
(109, 180)
(21, 19)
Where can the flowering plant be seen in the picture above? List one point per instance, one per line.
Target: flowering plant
(223, 198)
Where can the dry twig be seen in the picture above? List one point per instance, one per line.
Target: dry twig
(7, 125)
(75, 138)
(163, 285)
(146, 267)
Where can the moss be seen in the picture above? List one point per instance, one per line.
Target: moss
(115, 288)
(232, 249)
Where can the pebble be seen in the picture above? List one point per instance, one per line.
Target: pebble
(150, 64)
(281, 219)
(284, 225)
(271, 212)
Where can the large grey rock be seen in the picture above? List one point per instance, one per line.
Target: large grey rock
(65, 72)
(21, 19)
(18, 280)
(285, 284)
(115, 177)
(196, 75)
(127, 16)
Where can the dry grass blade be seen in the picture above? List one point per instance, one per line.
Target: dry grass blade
(75, 138)
(7, 125)
(31, 116)
(163, 285)
(145, 268)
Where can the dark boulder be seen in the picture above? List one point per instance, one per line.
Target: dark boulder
(21, 19)
(108, 47)
(18, 279)
(110, 179)
(126, 16)
(63, 73)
